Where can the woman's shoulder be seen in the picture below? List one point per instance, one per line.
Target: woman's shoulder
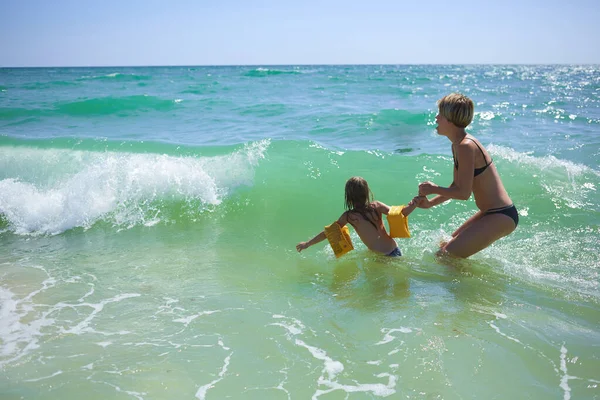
(471, 140)
(468, 144)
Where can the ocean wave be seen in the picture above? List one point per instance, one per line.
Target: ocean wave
(50, 191)
(543, 163)
(114, 105)
(117, 76)
(48, 85)
(396, 117)
(202, 88)
(19, 112)
(263, 110)
(95, 106)
(382, 119)
(262, 72)
(555, 183)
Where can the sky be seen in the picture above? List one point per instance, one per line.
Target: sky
(286, 32)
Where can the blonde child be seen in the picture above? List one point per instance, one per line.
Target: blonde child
(365, 216)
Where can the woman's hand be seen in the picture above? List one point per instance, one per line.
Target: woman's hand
(427, 188)
(422, 202)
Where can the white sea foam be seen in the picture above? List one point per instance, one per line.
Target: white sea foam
(201, 393)
(44, 377)
(566, 182)
(540, 163)
(491, 323)
(378, 389)
(51, 191)
(292, 325)
(486, 115)
(186, 320)
(564, 379)
(18, 338)
(137, 395)
(388, 334)
(332, 368)
(83, 326)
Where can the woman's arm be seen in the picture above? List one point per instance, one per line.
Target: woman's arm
(462, 186)
(424, 202)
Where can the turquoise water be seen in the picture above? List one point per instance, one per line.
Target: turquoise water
(149, 217)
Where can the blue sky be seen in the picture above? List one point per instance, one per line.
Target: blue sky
(265, 32)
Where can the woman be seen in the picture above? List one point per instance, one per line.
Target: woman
(474, 172)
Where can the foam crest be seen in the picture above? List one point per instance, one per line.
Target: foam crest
(568, 183)
(263, 72)
(541, 163)
(120, 76)
(76, 189)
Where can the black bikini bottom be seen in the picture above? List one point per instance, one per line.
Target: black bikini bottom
(510, 211)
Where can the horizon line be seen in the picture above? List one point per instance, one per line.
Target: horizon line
(293, 65)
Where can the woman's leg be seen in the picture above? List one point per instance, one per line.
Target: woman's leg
(464, 226)
(477, 234)
(468, 223)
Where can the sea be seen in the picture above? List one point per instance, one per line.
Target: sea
(149, 218)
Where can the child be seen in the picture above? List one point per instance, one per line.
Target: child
(364, 215)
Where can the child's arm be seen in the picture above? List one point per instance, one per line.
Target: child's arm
(412, 205)
(382, 207)
(342, 221)
(305, 245)
(385, 209)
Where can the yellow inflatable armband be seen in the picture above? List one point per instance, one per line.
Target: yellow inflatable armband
(339, 239)
(398, 223)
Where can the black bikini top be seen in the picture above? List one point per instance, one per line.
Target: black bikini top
(477, 171)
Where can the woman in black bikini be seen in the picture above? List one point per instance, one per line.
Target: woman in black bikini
(497, 216)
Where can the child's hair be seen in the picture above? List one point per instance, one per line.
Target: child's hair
(358, 194)
(359, 199)
(457, 108)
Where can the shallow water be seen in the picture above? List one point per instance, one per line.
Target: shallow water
(148, 220)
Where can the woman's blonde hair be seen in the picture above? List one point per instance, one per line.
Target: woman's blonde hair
(457, 108)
